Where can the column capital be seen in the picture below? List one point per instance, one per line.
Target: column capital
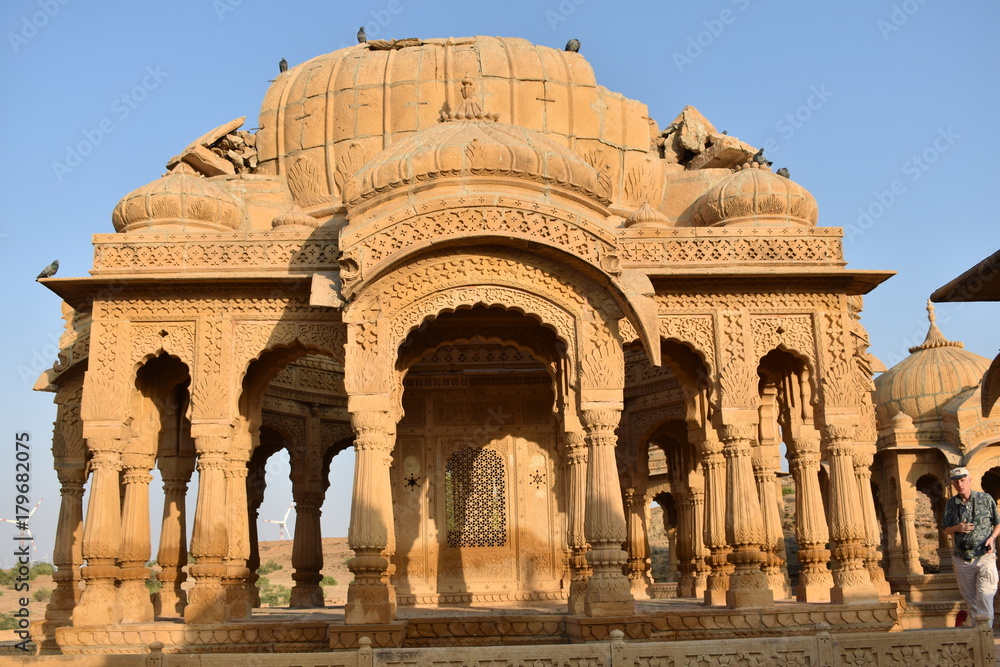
(732, 432)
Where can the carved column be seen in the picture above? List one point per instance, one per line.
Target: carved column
(135, 549)
(172, 554)
(714, 464)
(237, 579)
(210, 535)
(67, 554)
(576, 457)
(851, 582)
(681, 545)
(775, 571)
(637, 566)
(699, 552)
(371, 598)
(863, 458)
(256, 485)
(744, 524)
(911, 547)
(897, 560)
(307, 550)
(608, 591)
(811, 532)
(102, 534)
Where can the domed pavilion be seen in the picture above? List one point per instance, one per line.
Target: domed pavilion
(512, 293)
(930, 419)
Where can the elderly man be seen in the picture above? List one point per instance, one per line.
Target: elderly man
(971, 518)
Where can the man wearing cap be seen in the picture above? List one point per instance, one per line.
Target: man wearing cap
(971, 518)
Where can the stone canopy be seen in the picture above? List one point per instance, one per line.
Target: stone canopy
(509, 290)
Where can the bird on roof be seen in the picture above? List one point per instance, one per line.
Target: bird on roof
(759, 158)
(282, 65)
(784, 173)
(362, 37)
(49, 270)
(573, 46)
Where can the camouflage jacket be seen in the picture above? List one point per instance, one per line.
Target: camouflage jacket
(980, 510)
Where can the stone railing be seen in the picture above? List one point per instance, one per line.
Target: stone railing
(951, 647)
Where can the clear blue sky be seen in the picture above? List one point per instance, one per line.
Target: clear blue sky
(854, 96)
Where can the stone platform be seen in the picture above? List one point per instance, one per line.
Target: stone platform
(292, 631)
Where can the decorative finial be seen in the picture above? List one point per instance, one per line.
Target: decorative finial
(934, 336)
(469, 109)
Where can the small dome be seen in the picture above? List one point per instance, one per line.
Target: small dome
(179, 201)
(470, 142)
(935, 372)
(756, 197)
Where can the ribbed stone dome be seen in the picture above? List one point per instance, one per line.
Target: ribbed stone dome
(756, 197)
(471, 143)
(324, 119)
(935, 372)
(178, 201)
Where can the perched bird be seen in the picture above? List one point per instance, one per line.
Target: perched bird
(783, 172)
(726, 132)
(283, 65)
(573, 46)
(759, 158)
(49, 270)
(362, 37)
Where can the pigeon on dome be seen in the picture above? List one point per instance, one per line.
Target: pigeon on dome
(362, 37)
(573, 46)
(282, 65)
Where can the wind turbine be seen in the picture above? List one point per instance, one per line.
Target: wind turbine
(26, 530)
(283, 524)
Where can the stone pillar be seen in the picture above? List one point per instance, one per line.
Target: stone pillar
(172, 554)
(137, 607)
(67, 554)
(637, 566)
(851, 582)
(681, 543)
(237, 579)
(699, 552)
(256, 484)
(210, 535)
(717, 581)
(897, 562)
(576, 457)
(811, 532)
(911, 548)
(774, 536)
(744, 524)
(863, 458)
(102, 536)
(608, 591)
(307, 550)
(371, 598)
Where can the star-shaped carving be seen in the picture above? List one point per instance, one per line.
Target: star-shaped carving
(411, 481)
(538, 478)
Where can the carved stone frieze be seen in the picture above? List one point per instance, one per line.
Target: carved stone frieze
(273, 252)
(442, 220)
(674, 246)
